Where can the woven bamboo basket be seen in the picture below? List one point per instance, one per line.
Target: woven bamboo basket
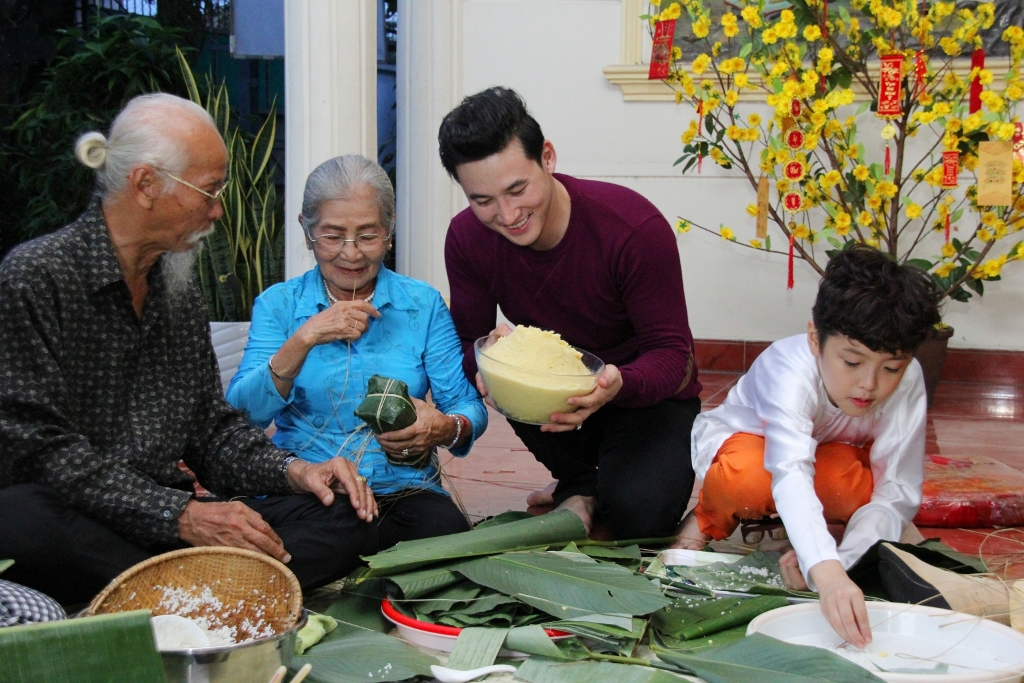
(251, 594)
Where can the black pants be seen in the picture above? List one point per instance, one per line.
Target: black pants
(71, 557)
(636, 461)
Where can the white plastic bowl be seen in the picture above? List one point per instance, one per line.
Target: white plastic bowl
(977, 650)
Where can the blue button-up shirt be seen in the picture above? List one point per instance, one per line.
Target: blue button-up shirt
(414, 340)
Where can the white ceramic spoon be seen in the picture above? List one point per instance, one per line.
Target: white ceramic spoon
(446, 675)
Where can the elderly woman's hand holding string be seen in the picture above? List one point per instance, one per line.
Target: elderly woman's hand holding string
(342, 321)
(432, 428)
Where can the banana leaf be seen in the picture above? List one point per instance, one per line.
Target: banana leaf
(554, 528)
(503, 518)
(93, 649)
(476, 648)
(604, 637)
(5, 565)
(450, 597)
(627, 557)
(729, 635)
(361, 656)
(541, 670)
(359, 607)
(689, 618)
(416, 584)
(565, 588)
(533, 640)
(757, 573)
(760, 657)
(387, 406)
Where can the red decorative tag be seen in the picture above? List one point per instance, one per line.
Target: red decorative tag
(661, 51)
(824, 19)
(795, 138)
(947, 227)
(796, 107)
(920, 71)
(950, 163)
(793, 170)
(790, 280)
(890, 89)
(793, 201)
(977, 62)
(1018, 141)
(888, 160)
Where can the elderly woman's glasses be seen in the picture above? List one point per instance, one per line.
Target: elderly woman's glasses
(212, 196)
(332, 243)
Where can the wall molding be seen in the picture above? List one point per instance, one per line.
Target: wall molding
(330, 98)
(961, 365)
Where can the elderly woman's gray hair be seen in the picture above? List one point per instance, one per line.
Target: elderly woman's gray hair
(139, 135)
(338, 178)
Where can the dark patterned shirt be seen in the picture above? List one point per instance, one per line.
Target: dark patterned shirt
(100, 405)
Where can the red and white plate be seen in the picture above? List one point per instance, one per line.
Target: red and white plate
(439, 636)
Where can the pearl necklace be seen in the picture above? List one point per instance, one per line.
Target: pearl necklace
(333, 300)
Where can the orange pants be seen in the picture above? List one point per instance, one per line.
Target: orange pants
(738, 487)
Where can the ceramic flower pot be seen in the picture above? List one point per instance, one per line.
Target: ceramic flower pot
(930, 355)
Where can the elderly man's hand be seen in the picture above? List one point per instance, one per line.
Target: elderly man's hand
(609, 383)
(232, 524)
(336, 475)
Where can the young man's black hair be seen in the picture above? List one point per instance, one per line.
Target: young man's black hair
(484, 124)
(867, 296)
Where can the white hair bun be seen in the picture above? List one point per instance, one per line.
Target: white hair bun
(91, 149)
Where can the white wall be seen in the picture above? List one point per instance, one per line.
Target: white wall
(552, 52)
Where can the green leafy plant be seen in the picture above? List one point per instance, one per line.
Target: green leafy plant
(93, 74)
(245, 253)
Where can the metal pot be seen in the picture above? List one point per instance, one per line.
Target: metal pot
(253, 662)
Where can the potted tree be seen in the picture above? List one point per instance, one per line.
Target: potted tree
(822, 68)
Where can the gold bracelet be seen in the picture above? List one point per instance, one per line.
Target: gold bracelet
(273, 372)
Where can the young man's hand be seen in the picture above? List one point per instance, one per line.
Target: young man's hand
(842, 602)
(609, 383)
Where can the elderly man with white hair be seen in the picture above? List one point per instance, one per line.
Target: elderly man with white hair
(108, 380)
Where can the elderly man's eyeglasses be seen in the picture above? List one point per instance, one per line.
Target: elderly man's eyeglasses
(212, 196)
(333, 243)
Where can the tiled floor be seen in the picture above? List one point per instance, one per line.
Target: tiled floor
(966, 419)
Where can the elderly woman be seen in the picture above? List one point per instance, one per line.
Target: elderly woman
(316, 340)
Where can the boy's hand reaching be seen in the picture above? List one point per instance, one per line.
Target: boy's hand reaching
(842, 602)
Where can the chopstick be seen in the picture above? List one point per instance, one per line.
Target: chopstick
(279, 674)
(303, 672)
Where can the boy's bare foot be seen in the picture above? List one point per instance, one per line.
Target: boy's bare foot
(689, 535)
(583, 506)
(545, 497)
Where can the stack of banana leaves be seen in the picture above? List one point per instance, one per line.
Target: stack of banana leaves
(580, 611)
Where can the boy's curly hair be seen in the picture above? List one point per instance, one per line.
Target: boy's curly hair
(867, 296)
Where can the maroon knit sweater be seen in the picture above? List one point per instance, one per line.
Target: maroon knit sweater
(612, 286)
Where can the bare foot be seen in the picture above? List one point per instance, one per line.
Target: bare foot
(545, 497)
(583, 506)
(689, 535)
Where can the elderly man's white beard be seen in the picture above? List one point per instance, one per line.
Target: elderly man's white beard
(179, 266)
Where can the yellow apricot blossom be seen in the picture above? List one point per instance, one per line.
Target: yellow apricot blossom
(726, 233)
(750, 15)
(673, 11)
(913, 211)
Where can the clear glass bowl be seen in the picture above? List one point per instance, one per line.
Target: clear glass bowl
(530, 396)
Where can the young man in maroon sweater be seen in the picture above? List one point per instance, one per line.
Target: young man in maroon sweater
(598, 264)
